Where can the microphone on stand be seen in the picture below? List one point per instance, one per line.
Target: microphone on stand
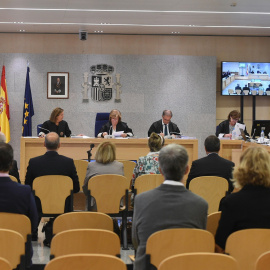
(89, 152)
(110, 133)
(42, 133)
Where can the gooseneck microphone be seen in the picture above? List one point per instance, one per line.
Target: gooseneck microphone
(45, 129)
(42, 133)
(89, 152)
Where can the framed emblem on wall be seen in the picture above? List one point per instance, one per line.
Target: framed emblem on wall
(58, 85)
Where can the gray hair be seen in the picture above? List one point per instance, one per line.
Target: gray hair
(2, 137)
(167, 112)
(173, 160)
(52, 141)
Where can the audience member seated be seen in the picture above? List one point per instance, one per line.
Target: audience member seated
(14, 168)
(268, 88)
(212, 164)
(258, 72)
(252, 72)
(115, 124)
(105, 164)
(238, 87)
(15, 198)
(250, 207)
(226, 127)
(246, 87)
(149, 163)
(170, 205)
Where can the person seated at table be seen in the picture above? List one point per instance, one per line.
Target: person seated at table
(249, 207)
(225, 128)
(149, 164)
(105, 164)
(56, 124)
(115, 124)
(246, 87)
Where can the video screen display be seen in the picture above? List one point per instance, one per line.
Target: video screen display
(245, 78)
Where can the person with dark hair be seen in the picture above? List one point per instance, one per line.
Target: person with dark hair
(14, 197)
(168, 206)
(149, 164)
(212, 164)
(56, 124)
(164, 126)
(115, 124)
(250, 207)
(225, 128)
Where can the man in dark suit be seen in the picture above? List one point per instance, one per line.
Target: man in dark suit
(170, 205)
(51, 163)
(212, 164)
(164, 126)
(14, 197)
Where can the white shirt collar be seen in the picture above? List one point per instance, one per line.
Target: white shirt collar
(4, 175)
(173, 183)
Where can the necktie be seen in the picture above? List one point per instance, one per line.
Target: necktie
(165, 130)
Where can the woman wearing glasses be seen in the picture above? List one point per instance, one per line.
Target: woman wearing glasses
(225, 128)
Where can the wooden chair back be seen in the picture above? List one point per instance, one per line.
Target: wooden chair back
(12, 248)
(108, 189)
(246, 246)
(85, 241)
(263, 262)
(52, 191)
(86, 261)
(211, 188)
(82, 220)
(199, 260)
(81, 168)
(128, 168)
(177, 241)
(147, 182)
(4, 264)
(13, 178)
(212, 222)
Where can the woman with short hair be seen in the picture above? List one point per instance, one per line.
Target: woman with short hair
(250, 207)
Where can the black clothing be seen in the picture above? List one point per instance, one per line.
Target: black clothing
(223, 127)
(121, 126)
(62, 129)
(14, 171)
(157, 127)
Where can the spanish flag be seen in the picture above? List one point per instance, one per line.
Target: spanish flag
(4, 107)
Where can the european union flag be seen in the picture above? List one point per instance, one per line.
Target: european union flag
(28, 108)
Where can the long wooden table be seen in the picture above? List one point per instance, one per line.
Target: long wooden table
(76, 148)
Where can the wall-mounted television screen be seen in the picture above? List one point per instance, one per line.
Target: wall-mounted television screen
(245, 78)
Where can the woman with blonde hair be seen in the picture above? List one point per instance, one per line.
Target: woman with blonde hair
(105, 163)
(56, 124)
(250, 207)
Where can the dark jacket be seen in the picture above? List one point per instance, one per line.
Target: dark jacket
(62, 129)
(121, 126)
(157, 127)
(223, 127)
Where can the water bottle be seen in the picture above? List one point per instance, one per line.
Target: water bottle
(262, 136)
(233, 134)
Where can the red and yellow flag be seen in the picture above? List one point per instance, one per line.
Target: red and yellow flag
(4, 107)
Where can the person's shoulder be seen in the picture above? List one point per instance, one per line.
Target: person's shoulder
(64, 158)
(225, 161)
(117, 163)
(196, 199)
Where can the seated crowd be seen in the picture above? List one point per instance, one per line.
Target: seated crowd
(172, 204)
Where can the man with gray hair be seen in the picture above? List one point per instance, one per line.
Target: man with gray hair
(164, 126)
(170, 205)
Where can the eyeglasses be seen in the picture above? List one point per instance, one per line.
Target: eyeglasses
(237, 119)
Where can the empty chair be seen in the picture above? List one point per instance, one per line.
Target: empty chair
(177, 241)
(212, 222)
(261, 92)
(263, 262)
(254, 92)
(86, 261)
(211, 188)
(230, 91)
(12, 248)
(199, 260)
(82, 220)
(128, 168)
(101, 119)
(247, 245)
(4, 264)
(246, 92)
(85, 241)
(147, 182)
(238, 91)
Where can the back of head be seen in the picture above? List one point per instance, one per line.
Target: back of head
(254, 168)
(6, 157)
(105, 153)
(234, 114)
(167, 112)
(56, 112)
(212, 144)
(2, 137)
(155, 142)
(173, 160)
(52, 141)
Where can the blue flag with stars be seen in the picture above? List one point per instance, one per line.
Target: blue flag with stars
(28, 108)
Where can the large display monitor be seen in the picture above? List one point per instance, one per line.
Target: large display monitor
(245, 78)
(257, 127)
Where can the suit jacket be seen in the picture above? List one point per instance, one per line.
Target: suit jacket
(212, 165)
(223, 127)
(95, 168)
(14, 171)
(162, 208)
(121, 126)
(62, 129)
(246, 209)
(17, 198)
(157, 127)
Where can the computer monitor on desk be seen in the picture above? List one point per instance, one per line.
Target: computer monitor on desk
(257, 127)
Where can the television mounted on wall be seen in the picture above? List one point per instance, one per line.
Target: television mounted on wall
(245, 78)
